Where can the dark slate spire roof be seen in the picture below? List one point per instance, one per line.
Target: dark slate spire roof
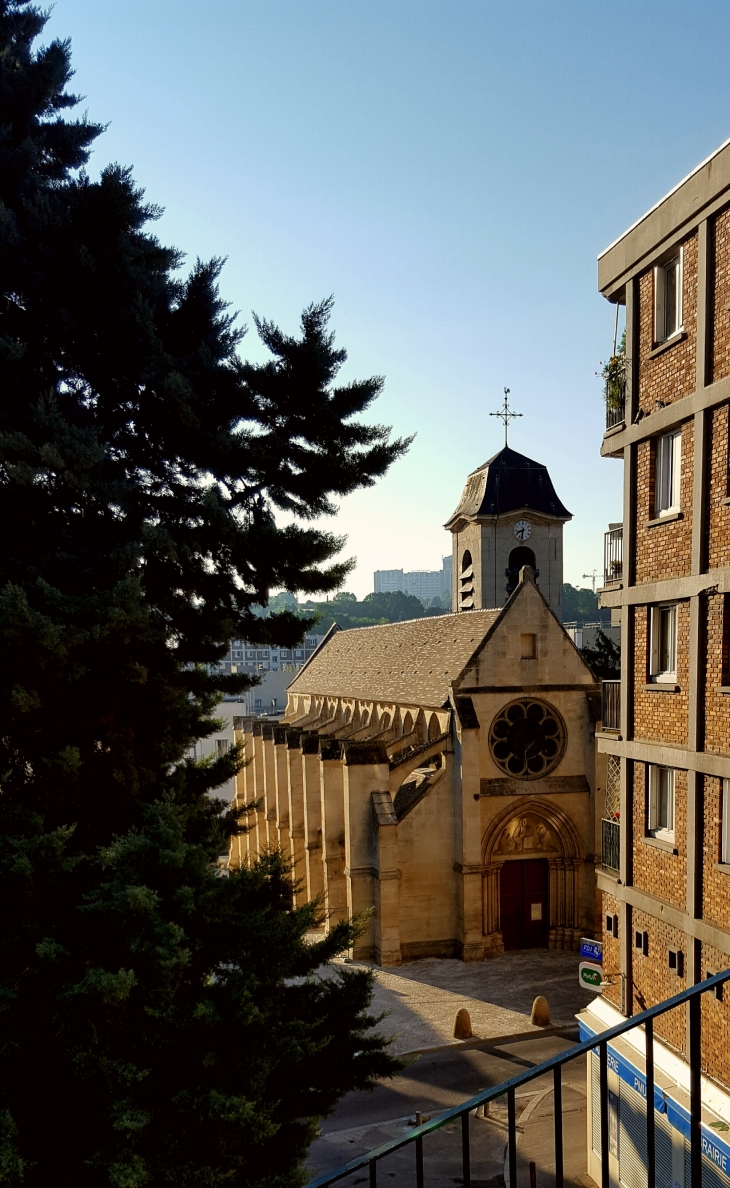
(509, 482)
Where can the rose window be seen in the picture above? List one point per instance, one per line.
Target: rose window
(527, 738)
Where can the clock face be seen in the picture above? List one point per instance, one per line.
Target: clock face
(523, 529)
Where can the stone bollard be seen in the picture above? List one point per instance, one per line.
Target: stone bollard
(462, 1025)
(540, 1012)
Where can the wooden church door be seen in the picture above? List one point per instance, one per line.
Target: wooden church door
(524, 904)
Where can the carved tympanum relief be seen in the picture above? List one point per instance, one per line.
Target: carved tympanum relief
(528, 834)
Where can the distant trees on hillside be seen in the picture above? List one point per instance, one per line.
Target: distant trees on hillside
(581, 606)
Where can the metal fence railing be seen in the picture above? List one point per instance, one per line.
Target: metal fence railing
(614, 413)
(610, 844)
(416, 1135)
(610, 705)
(613, 555)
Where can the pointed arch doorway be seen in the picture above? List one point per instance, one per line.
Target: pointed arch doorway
(541, 843)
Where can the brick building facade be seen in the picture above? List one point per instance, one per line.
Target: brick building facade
(666, 909)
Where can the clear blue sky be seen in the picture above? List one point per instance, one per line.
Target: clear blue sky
(449, 170)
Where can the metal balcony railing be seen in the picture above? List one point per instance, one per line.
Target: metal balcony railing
(415, 1136)
(610, 705)
(610, 844)
(613, 555)
(614, 414)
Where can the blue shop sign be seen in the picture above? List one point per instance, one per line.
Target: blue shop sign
(591, 950)
(713, 1148)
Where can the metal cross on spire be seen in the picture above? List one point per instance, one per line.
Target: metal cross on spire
(506, 415)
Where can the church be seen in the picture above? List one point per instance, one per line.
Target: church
(437, 777)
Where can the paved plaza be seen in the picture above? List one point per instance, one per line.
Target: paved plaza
(422, 999)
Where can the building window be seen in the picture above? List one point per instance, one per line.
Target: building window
(221, 747)
(668, 298)
(528, 647)
(725, 825)
(668, 474)
(661, 802)
(663, 660)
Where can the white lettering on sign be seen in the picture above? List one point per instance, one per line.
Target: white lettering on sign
(640, 1086)
(714, 1154)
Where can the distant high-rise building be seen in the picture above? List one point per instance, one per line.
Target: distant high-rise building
(423, 583)
(388, 581)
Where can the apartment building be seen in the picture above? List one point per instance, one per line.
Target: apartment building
(665, 875)
(248, 657)
(422, 583)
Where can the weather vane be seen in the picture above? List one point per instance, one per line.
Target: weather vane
(506, 415)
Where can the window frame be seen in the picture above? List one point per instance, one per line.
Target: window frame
(668, 474)
(663, 333)
(658, 673)
(663, 832)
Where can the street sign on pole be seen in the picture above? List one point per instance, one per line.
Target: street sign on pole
(591, 950)
(590, 976)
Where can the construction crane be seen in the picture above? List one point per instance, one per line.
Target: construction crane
(592, 576)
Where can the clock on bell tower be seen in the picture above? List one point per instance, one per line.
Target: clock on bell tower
(509, 515)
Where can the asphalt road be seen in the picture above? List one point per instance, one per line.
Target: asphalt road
(438, 1080)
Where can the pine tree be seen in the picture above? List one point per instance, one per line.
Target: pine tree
(158, 1023)
(603, 658)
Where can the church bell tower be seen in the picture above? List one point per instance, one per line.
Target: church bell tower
(509, 516)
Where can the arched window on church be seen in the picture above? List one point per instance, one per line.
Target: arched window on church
(466, 583)
(517, 558)
(434, 728)
(408, 724)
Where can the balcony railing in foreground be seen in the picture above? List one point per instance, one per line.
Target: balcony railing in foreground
(692, 997)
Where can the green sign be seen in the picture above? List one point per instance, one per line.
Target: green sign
(590, 976)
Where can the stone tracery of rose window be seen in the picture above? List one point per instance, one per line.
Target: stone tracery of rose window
(527, 738)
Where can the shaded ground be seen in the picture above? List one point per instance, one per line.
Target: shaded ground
(439, 1080)
(422, 998)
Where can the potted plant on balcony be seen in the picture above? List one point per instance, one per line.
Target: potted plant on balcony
(613, 373)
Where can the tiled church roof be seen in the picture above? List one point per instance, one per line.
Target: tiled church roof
(509, 482)
(413, 663)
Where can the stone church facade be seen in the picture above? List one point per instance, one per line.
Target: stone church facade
(437, 777)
